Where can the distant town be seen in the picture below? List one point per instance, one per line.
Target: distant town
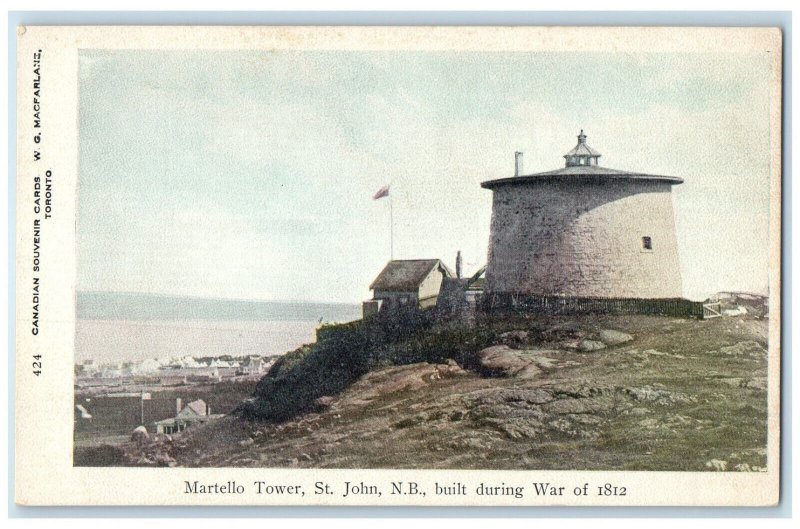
(168, 372)
(161, 396)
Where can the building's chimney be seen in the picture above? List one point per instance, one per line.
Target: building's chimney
(458, 264)
(177, 406)
(517, 163)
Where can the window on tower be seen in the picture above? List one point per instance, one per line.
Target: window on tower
(647, 243)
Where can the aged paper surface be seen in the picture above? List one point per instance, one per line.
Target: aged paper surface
(194, 202)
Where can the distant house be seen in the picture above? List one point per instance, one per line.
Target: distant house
(205, 375)
(195, 412)
(407, 285)
(252, 365)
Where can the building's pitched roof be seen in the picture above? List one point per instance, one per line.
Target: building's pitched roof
(198, 406)
(407, 274)
(478, 284)
(448, 272)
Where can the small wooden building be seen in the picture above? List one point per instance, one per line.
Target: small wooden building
(407, 284)
(196, 411)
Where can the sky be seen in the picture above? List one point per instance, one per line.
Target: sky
(250, 174)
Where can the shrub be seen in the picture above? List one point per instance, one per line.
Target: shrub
(345, 352)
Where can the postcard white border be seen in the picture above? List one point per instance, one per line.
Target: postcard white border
(43, 444)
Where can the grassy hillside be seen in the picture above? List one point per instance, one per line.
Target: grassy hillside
(674, 395)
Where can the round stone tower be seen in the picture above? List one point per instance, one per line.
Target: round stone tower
(583, 231)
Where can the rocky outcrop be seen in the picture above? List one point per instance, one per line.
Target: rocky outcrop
(612, 337)
(588, 346)
(502, 361)
(748, 348)
(140, 435)
(514, 338)
(397, 379)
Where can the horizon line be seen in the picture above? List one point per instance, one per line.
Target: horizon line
(213, 298)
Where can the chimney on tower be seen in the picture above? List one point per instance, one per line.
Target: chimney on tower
(458, 264)
(517, 163)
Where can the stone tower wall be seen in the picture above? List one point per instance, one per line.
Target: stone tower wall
(584, 238)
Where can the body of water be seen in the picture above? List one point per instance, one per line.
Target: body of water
(115, 328)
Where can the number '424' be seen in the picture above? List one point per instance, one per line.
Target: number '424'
(37, 365)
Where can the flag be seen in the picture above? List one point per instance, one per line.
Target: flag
(382, 192)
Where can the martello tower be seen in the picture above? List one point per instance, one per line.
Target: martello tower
(583, 231)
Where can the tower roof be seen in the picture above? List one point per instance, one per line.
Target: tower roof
(582, 149)
(582, 163)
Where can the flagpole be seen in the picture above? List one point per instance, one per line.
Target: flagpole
(391, 228)
(385, 191)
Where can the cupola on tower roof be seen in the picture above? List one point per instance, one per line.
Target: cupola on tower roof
(582, 154)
